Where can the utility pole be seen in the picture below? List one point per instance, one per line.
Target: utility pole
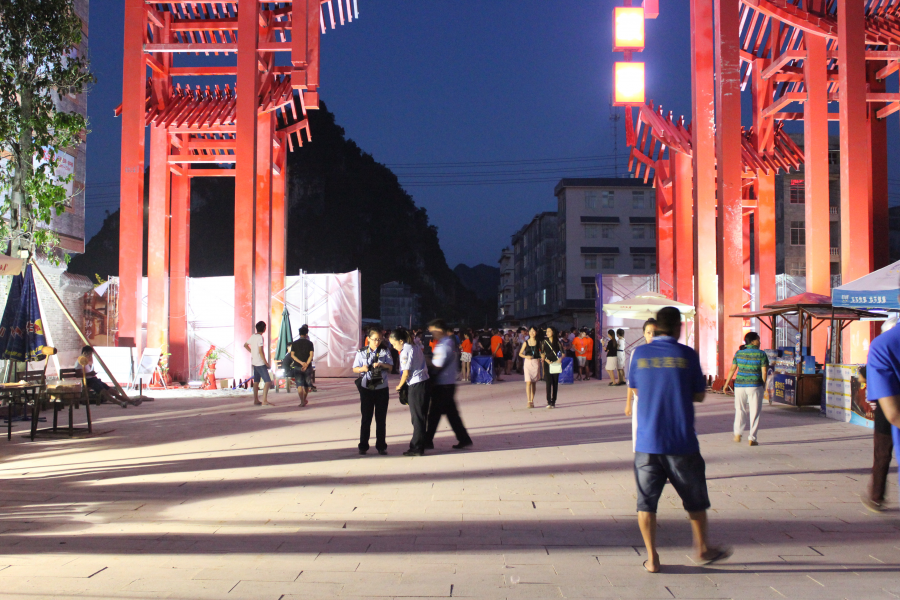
(614, 117)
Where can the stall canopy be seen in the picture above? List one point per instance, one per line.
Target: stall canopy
(645, 307)
(877, 290)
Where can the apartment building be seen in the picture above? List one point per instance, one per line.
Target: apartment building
(399, 306)
(790, 214)
(608, 226)
(506, 294)
(534, 272)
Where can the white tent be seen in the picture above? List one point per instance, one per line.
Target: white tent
(644, 307)
(877, 290)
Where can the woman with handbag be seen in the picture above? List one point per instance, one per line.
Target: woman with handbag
(530, 353)
(551, 353)
(413, 375)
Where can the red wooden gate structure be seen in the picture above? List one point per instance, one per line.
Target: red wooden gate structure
(712, 174)
(242, 129)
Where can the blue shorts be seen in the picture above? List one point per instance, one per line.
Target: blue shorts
(303, 379)
(687, 472)
(261, 373)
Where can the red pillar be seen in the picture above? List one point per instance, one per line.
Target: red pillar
(279, 228)
(703, 146)
(179, 271)
(263, 247)
(728, 178)
(765, 244)
(856, 216)
(815, 148)
(665, 249)
(747, 258)
(245, 180)
(683, 229)
(157, 274)
(131, 211)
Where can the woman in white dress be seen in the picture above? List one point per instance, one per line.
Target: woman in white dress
(631, 397)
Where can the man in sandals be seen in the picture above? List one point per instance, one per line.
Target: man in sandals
(668, 377)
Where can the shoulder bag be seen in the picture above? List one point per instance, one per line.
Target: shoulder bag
(555, 368)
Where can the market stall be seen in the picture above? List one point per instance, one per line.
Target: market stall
(797, 379)
(877, 291)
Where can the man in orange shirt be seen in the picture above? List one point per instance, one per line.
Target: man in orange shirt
(497, 353)
(583, 347)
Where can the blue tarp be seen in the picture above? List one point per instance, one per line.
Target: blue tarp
(21, 329)
(877, 290)
(568, 371)
(482, 369)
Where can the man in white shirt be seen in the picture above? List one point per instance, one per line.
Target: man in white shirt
(256, 346)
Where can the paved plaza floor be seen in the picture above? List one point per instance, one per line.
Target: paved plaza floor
(210, 497)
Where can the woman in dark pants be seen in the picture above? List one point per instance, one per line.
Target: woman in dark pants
(373, 363)
(414, 375)
(551, 352)
(884, 447)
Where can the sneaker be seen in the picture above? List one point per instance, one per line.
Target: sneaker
(754, 443)
(737, 439)
(313, 388)
(549, 406)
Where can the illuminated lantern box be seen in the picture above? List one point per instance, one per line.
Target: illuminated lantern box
(628, 29)
(629, 83)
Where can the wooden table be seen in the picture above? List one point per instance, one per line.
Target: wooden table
(68, 392)
(18, 393)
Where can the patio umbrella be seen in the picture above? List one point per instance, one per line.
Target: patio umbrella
(21, 329)
(284, 337)
(644, 307)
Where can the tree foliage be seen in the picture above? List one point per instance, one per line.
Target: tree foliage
(39, 63)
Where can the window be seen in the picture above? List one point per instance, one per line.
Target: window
(606, 231)
(590, 200)
(798, 233)
(639, 262)
(638, 201)
(591, 231)
(590, 261)
(653, 264)
(590, 291)
(608, 262)
(798, 191)
(637, 232)
(798, 268)
(834, 157)
(607, 199)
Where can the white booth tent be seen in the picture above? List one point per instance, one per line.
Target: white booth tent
(330, 304)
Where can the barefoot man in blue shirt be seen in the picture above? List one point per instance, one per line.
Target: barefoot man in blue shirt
(668, 378)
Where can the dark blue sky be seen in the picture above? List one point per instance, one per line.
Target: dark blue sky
(429, 85)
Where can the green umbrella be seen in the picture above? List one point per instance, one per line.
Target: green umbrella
(284, 338)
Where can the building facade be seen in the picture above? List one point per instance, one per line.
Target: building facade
(535, 277)
(790, 215)
(506, 294)
(399, 306)
(606, 226)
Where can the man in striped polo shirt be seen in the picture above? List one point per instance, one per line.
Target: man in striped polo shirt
(751, 365)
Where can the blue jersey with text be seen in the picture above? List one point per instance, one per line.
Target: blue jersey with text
(883, 370)
(666, 375)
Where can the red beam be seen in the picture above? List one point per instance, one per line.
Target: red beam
(245, 181)
(766, 245)
(179, 271)
(263, 242)
(683, 225)
(703, 148)
(780, 103)
(665, 247)
(131, 215)
(815, 165)
(782, 60)
(279, 235)
(157, 275)
(728, 179)
(216, 47)
(856, 216)
(210, 172)
(203, 158)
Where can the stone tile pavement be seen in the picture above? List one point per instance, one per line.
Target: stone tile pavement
(205, 496)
